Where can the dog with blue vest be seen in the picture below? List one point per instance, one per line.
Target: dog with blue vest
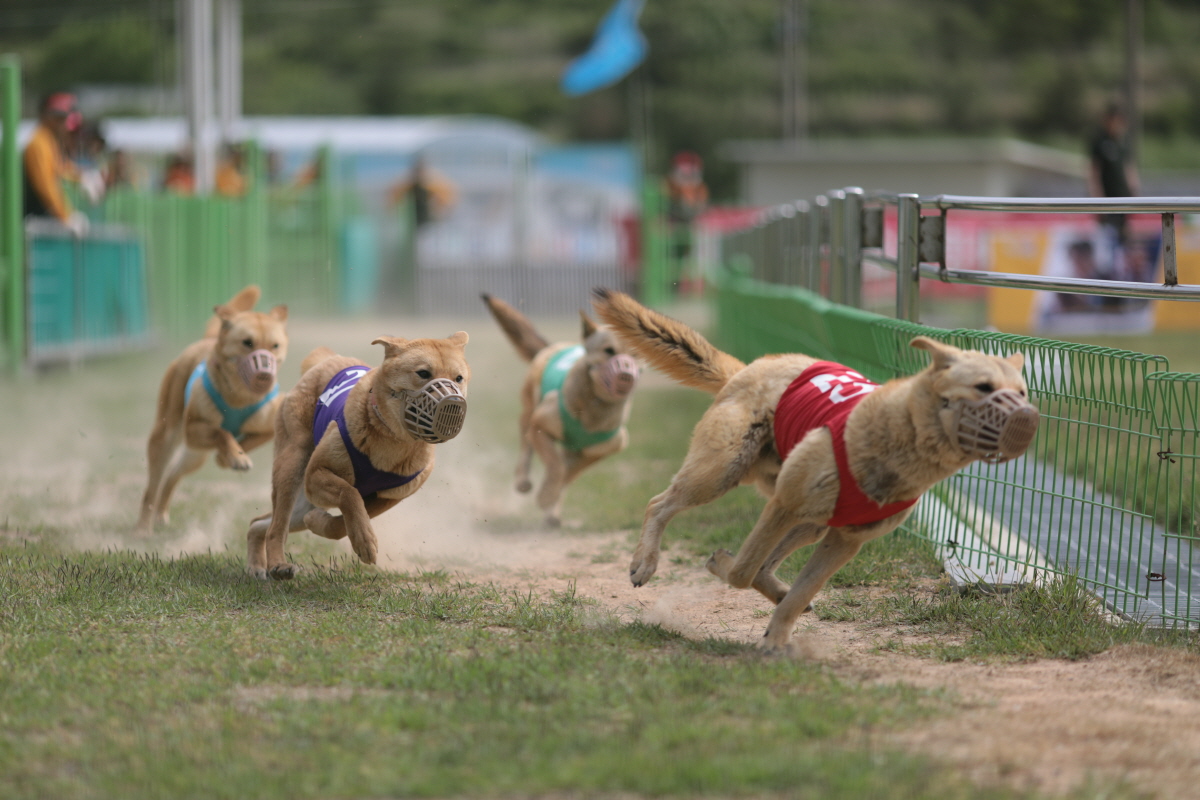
(357, 440)
(575, 400)
(219, 395)
(841, 460)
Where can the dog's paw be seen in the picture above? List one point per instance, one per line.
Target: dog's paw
(719, 563)
(240, 462)
(365, 548)
(283, 572)
(524, 486)
(552, 521)
(642, 568)
(257, 572)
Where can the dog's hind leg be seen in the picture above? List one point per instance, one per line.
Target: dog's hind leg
(524, 458)
(726, 445)
(256, 537)
(161, 450)
(186, 462)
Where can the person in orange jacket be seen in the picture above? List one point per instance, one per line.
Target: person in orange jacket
(46, 165)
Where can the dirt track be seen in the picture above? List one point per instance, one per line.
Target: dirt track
(73, 445)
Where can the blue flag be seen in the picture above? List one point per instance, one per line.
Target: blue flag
(618, 47)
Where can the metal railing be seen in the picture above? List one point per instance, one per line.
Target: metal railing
(1108, 490)
(822, 245)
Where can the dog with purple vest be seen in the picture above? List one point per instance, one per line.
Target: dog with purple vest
(358, 440)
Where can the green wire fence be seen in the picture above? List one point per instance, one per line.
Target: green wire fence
(1107, 491)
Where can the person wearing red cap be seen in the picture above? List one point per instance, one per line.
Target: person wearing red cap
(46, 166)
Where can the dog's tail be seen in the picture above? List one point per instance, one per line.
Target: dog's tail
(245, 300)
(314, 358)
(517, 327)
(667, 344)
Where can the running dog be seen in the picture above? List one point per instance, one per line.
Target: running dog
(359, 440)
(219, 394)
(840, 460)
(574, 403)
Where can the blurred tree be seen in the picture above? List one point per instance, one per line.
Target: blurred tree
(118, 50)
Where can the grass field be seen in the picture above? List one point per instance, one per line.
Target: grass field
(157, 669)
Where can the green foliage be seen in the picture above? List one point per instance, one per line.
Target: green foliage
(1037, 68)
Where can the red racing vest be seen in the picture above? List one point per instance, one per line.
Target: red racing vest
(823, 396)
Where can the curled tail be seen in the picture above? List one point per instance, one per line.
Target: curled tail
(314, 358)
(245, 300)
(517, 327)
(667, 344)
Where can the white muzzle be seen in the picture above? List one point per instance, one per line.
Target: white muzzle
(435, 413)
(996, 428)
(619, 375)
(258, 370)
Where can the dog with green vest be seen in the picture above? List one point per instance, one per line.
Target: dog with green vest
(575, 400)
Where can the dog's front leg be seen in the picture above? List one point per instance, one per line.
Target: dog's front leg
(773, 523)
(832, 553)
(326, 525)
(265, 548)
(525, 457)
(549, 496)
(248, 442)
(329, 490)
(203, 435)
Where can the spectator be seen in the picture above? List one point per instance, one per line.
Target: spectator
(1112, 173)
(230, 180)
(432, 194)
(46, 165)
(179, 177)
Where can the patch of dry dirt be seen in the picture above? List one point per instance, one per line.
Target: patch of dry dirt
(1130, 714)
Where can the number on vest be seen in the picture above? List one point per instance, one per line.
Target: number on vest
(841, 387)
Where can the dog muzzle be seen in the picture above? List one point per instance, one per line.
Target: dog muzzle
(996, 428)
(619, 375)
(258, 370)
(435, 413)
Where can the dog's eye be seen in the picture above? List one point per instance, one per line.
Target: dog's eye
(248, 342)
(458, 378)
(986, 388)
(275, 346)
(424, 374)
(612, 351)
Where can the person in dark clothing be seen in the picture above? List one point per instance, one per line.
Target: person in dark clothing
(1111, 172)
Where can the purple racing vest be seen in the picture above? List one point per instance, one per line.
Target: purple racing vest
(331, 407)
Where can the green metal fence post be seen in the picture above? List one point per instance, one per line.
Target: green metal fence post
(12, 239)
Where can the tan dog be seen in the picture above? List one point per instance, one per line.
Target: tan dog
(219, 394)
(899, 440)
(358, 440)
(574, 403)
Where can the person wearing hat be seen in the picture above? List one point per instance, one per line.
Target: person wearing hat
(46, 166)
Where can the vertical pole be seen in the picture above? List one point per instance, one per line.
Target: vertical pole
(1170, 266)
(12, 232)
(852, 210)
(1133, 74)
(908, 238)
(816, 222)
(229, 67)
(837, 263)
(195, 21)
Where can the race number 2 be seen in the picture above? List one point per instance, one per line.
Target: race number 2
(842, 386)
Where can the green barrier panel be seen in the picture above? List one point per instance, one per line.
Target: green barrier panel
(1107, 491)
(85, 296)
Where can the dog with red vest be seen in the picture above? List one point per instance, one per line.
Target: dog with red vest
(840, 459)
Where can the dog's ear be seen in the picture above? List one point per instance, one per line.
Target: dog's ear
(392, 345)
(225, 313)
(459, 338)
(280, 313)
(943, 354)
(1017, 360)
(589, 327)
